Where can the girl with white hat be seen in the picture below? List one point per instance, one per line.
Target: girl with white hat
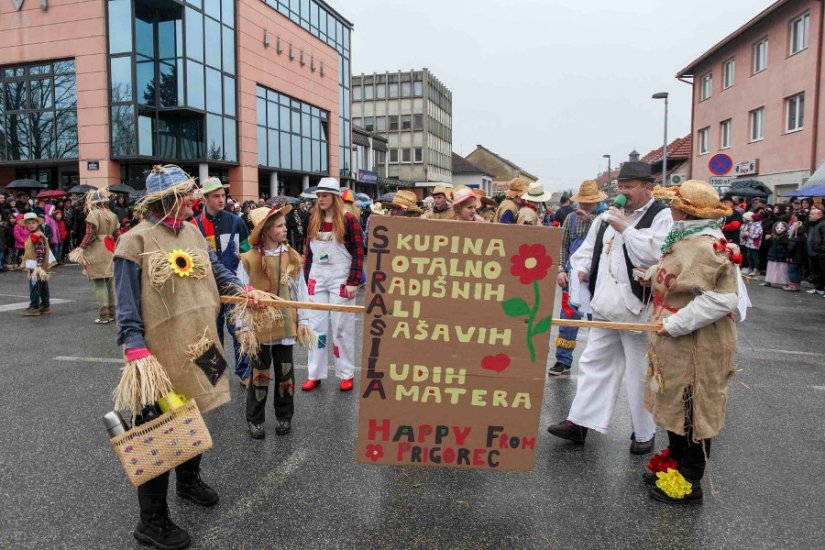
(334, 261)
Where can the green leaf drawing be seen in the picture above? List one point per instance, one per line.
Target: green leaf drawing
(543, 325)
(515, 307)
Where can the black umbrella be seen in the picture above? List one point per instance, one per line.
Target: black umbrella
(750, 188)
(26, 184)
(386, 197)
(747, 192)
(122, 188)
(81, 189)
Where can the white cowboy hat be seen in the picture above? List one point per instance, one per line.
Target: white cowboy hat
(329, 185)
(536, 193)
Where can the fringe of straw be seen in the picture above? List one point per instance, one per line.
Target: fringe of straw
(177, 191)
(306, 337)
(40, 275)
(193, 351)
(142, 383)
(78, 256)
(257, 319)
(249, 344)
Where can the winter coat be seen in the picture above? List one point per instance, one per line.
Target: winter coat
(20, 233)
(778, 251)
(753, 238)
(51, 223)
(816, 238)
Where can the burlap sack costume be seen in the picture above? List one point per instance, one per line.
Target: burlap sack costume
(516, 188)
(271, 274)
(98, 257)
(694, 369)
(29, 253)
(182, 310)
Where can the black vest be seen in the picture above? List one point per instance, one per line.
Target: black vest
(642, 293)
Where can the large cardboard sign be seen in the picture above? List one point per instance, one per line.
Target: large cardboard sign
(456, 332)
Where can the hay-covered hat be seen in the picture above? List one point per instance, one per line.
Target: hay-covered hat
(588, 193)
(166, 181)
(694, 197)
(97, 196)
(406, 200)
(259, 217)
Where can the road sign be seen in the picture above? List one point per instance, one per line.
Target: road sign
(723, 181)
(746, 168)
(720, 164)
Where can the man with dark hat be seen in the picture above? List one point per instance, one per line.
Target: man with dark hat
(619, 244)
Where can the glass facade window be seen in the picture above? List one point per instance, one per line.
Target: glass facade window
(292, 134)
(182, 102)
(38, 112)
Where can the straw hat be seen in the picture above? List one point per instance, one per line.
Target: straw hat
(406, 200)
(694, 197)
(259, 217)
(97, 196)
(212, 184)
(482, 195)
(516, 188)
(443, 190)
(536, 193)
(589, 193)
(462, 195)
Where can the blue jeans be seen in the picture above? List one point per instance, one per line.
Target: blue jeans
(2, 257)
(57, 250)
(752, 256)
(241, 363)
(38, 294)
(566, 340)
(794, 273)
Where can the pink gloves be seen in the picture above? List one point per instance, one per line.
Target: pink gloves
(133, 354)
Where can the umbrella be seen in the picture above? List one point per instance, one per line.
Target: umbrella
(812, 191)
(81, 189)
(283, 199)
(386, 197)
(122, 188)
(51, 194)
(749, 188)
(747, 192)
(309, 192)
(363, 197)
(26, 184)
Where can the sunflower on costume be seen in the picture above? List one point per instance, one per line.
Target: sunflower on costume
(181, 263)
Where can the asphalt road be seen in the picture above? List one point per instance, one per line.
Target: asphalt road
(61, 486)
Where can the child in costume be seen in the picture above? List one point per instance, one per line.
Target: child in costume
(777, 273)
(37, 261)
(168, 282)
(696, 290)
(96, 252)
(274, 267)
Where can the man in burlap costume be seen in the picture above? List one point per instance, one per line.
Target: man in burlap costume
(507, 211)
(271, 265)
(96, 252)
(695, 295)
(404, 204)
(167, 280)
(532, 198)
(441, 208)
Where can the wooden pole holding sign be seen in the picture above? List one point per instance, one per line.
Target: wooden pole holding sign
(644, 327)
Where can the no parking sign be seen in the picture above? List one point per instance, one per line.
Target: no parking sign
(720, 164)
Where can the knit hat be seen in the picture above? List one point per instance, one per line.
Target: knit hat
(406, 200)
(165, 181)
(589, 193)
(259, 217)
(516, 188)
(694, 197)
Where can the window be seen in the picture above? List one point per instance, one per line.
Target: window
(394, 156)
(356, 93)
(369, 92)
(418, 88)
(380, 91)
(406, 154)
(724, 134)
(707, 84)
(795, 108)
(406, 122)
(757, 123)
(760, 56)
(406, 89)
(704, 140)
(799, 34)
(393, 122)
(419, 154)
(728, 70)
(393, 90)
(418, 122)
(369, 123)
(380, 124)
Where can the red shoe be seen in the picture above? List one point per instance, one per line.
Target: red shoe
(346, 385)
(310, 385)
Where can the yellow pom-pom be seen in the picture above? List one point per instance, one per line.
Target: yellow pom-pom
(673, 484)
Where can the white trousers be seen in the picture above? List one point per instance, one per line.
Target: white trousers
(609, 355)
(326, 289)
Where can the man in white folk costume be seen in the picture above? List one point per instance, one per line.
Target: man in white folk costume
(621, 240)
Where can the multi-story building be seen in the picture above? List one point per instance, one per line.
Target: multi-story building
(757, 97)
(369, 161)
(255, 92)
(414, 110)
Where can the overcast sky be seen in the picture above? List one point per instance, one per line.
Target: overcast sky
(551, 85)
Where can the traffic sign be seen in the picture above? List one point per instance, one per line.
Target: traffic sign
(720, 164)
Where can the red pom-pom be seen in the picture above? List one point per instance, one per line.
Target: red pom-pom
(555, 223)
(735, 258)
(662, 462)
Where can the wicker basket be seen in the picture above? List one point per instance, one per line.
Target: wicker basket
(151, 449)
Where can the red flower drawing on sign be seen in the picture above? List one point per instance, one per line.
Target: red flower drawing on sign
(375, 452)
(531, 263)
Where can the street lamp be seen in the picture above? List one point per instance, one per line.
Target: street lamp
(609, 171)
(663, 95)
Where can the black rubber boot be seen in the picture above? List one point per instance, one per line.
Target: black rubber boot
(155, 528)
(191, 487)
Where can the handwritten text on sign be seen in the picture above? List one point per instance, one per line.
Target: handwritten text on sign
(456, 332)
